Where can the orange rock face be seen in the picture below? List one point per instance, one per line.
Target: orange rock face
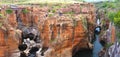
(64, 35)
(2, 37)
(12, 20)
(25, 18)
(113, 34)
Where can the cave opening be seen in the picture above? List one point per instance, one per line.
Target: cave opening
(83, 53)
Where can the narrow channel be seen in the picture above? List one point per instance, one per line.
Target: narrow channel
(90, 53)
(97, 47)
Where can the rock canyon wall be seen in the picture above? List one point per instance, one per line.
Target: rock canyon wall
(64, 29)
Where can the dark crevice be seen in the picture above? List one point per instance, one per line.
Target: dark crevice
(83, 53)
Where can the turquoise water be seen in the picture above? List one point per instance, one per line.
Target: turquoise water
(97, 47)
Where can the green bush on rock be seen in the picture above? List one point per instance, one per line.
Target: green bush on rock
(108, 45)
(117, 24)
(117, 19)
(9, 11)
(111, 16)
(25, 11)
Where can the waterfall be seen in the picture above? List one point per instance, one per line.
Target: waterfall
(98, 21)
(97, 46)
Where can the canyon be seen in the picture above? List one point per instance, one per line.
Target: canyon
(63, 29)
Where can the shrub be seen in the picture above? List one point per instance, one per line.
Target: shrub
(9, 11)
(111, 15)
(108, 45)
(117, 19)
(118, 35)
(25, 11)
(117, 24)
(53, 11)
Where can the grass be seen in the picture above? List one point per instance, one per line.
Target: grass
(37, 1)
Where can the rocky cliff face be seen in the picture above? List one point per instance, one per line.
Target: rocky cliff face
(2, 40)
(63, 29)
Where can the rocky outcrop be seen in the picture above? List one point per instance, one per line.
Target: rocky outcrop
(2, 37)
(64, 30)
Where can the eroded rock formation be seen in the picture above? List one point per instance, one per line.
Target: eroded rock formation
(64, 30)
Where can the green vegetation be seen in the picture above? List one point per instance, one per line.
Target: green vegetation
(1, 19)
(12, 1)
(108, 5)
(25, 11)
(53, 11)
(37, 1)
(111, 15)
(117, 19)
(1, 15)
(117, 24)
(1, 24)
(118, 35)
(52, 40)
(112, 12)
(84, 21)
(108, 45)
(71, 12)
(9, 11)
(50, 15)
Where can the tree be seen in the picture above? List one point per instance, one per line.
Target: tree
(117, 19)
(111, 16)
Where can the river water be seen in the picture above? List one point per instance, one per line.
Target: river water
(90, 53)
(97, 47)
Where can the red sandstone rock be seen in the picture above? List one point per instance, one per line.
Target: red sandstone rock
(59, 33)
(2, 37)
(12, 20)
(65, 10)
